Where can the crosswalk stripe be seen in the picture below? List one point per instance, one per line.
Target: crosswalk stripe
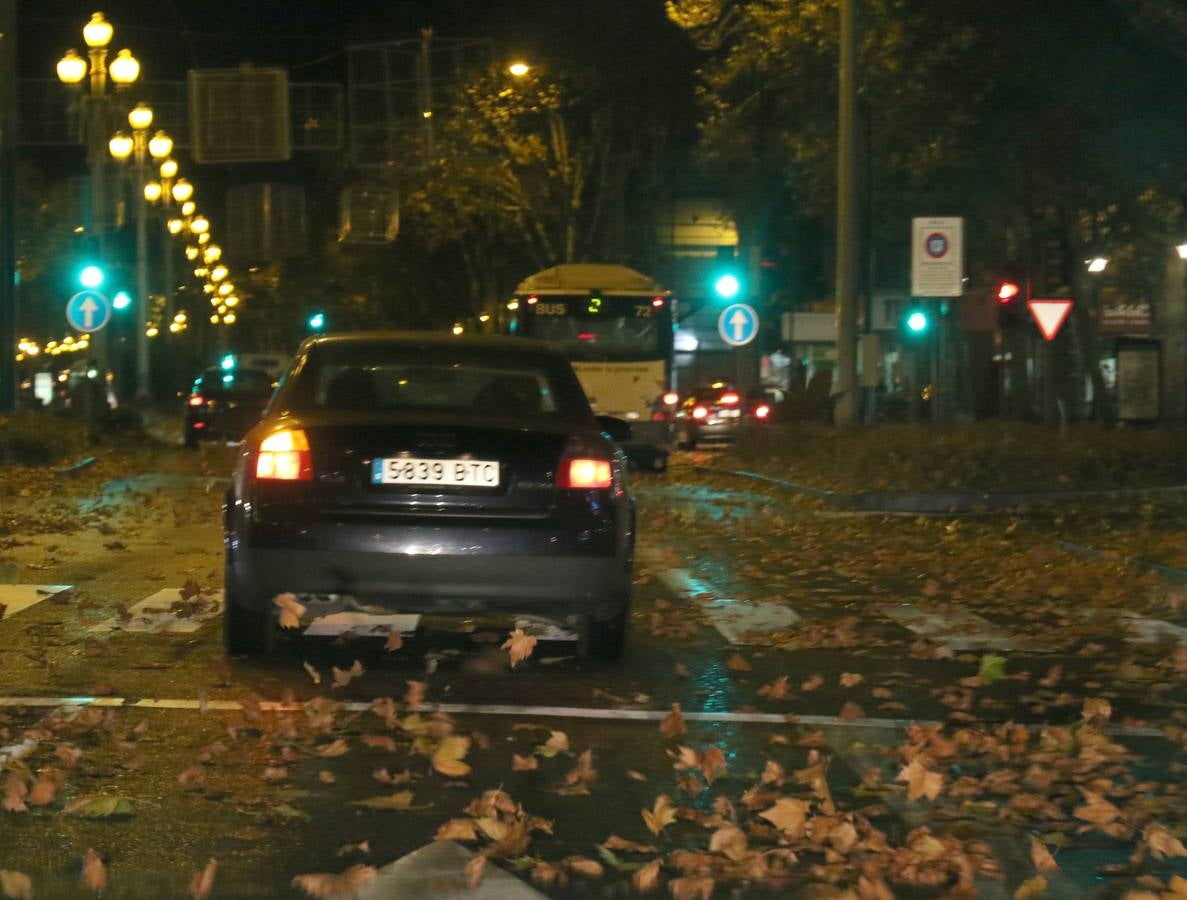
(957, 629)
(732, 618)
(361, 625)
(17, 597)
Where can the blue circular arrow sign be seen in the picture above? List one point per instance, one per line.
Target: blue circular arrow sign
(88, 311)
(738, 324)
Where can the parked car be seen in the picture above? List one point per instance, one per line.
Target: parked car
(430, 474)
(717, 413)
(224, 403)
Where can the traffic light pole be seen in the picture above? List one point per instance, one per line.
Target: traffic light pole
(845, 385)
(142, 369)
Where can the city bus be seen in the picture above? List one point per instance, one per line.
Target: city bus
(616, 325)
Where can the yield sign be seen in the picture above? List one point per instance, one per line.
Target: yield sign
(1049, 315)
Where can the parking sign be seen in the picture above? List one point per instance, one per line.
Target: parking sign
(937, 257)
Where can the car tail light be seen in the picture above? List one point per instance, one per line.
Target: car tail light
(762, 411)
(199, 424)
(196, 400)
(285, 456)
(585, 474)
(671, 398)
(729, 398)
(700, 412)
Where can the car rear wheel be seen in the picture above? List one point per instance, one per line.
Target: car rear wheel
(191, 439)
(605, 639)
(246, 630)
(685, 439)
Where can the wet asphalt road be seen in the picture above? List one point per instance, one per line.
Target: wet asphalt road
(716, 557)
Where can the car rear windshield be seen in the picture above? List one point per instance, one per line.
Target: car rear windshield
(435, 379)
(234, 383)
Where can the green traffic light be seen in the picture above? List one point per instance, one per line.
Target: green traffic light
(121, 301)
(90, 277)
(228, 362)
(727, 286)
(317, 321)
(917, 322)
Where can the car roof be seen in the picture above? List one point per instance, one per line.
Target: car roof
(434, 339)
(238, 370)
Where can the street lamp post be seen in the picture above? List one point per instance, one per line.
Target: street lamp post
(72, 70)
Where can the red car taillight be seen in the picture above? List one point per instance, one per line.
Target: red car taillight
(583, 474)
(196, 400)
(762, 411)
(671, 398)
(700, 412)
(730, 398)
(285, 456)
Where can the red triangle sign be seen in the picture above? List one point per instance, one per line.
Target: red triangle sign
(1049, 315)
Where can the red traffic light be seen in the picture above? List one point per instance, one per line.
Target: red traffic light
(1007, 291)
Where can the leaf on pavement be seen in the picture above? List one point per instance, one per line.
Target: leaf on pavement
(789, 815)
(16, 885)
(614, 842)
(313, 673)
(203, 882)
(394, 640)
(920, 781)
(691, 888)
(329, 886)
(447, 758)
(523, 763)
(993, 668)
(1032, 887)
(730, 841)
(519, 646)
(94, 872)
(777, 689)
(712, 763)
(194, 775)
(400, 800)
(339, 747)
(1096, 707)
(15, 792)
(474, 871)
(416, 694)
(646, 879)
(457, 830)
(812, 683)
(583, 865)
(851, 679)
(1041, 857)
(851, 712)
(342, 679)
(291, 610)
(873, 889)
(98, 807)
(1162, 843)
(661, 815)
(1096, 809)
(585, 773)
(672, 724)
(45, 788)
(738, 663)
(347, 849)
(558, 742)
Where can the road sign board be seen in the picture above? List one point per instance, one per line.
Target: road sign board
(738, 324)
(88, 311)
(937, 257)
(1049, 315)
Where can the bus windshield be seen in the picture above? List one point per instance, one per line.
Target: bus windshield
(606, 328)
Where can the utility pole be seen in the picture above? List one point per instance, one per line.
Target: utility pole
(8, 123)
(845, 384)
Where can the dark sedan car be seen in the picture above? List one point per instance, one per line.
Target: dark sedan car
(717, 413)
(224, 403)
(426, 474)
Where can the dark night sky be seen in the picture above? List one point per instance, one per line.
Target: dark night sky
(170, 36)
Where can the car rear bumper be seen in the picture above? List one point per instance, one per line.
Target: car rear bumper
(447, 570)
(717, 431)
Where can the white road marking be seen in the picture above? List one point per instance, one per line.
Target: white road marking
(15, 597)
(957, 629)
(1144, 630)
(16, 751)
(732, 618)
(361, 625)
(152, 615)
(549, 712)
(545, 631)
(439, 870)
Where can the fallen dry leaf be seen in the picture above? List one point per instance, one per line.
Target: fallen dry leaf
(523, 763)
(313, 673)
(16, 885)
(328, 886)
(1041, 856)
(812, 683)
(738, 663)
(1032, 887)
(661, 815)
(291, 610)
(646, 879)
(474, 871)
(519, 646)
(851, 679)
(789, 815)
(1162, 843)
(672, 724)
(1096, 707)
(203, 882)
(777, 689)
(94, 872)
(394, 640)
(343, 678)
(691, 888)
(335, 748)
(614, 842)
(447, 758)
(920, 781)
(457, 830)
(415, 696)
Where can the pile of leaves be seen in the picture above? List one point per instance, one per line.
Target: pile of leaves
(989, 457)
(32, 439)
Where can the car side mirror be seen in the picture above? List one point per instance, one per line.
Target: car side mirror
(618, 430)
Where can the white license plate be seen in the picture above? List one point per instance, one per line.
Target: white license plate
(729, 413)
(452, 472)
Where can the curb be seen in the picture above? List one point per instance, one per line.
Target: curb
(70, 471)
(1169, 574)
(942, 503)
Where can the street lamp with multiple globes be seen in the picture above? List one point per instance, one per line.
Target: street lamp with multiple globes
(139, 147)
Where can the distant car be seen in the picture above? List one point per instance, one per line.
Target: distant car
(224, 404)
(718, 413)
(430, 474)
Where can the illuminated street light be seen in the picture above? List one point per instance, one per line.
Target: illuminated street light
(121, 145)
(72, 68)
(152, 191)
(175, 226)
(219, 273)
(124, 69)
(191, 252)
(199, 225)
(182, 190)
(229, 319)
(458, 328)
(212, 253)
(97, 32)
(204, 237)
(160, 146)
(1182, 251)
(140, 117)
(1097, 265)
(168, 168)
(519, 68)
(226, 289)
(188, 208)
